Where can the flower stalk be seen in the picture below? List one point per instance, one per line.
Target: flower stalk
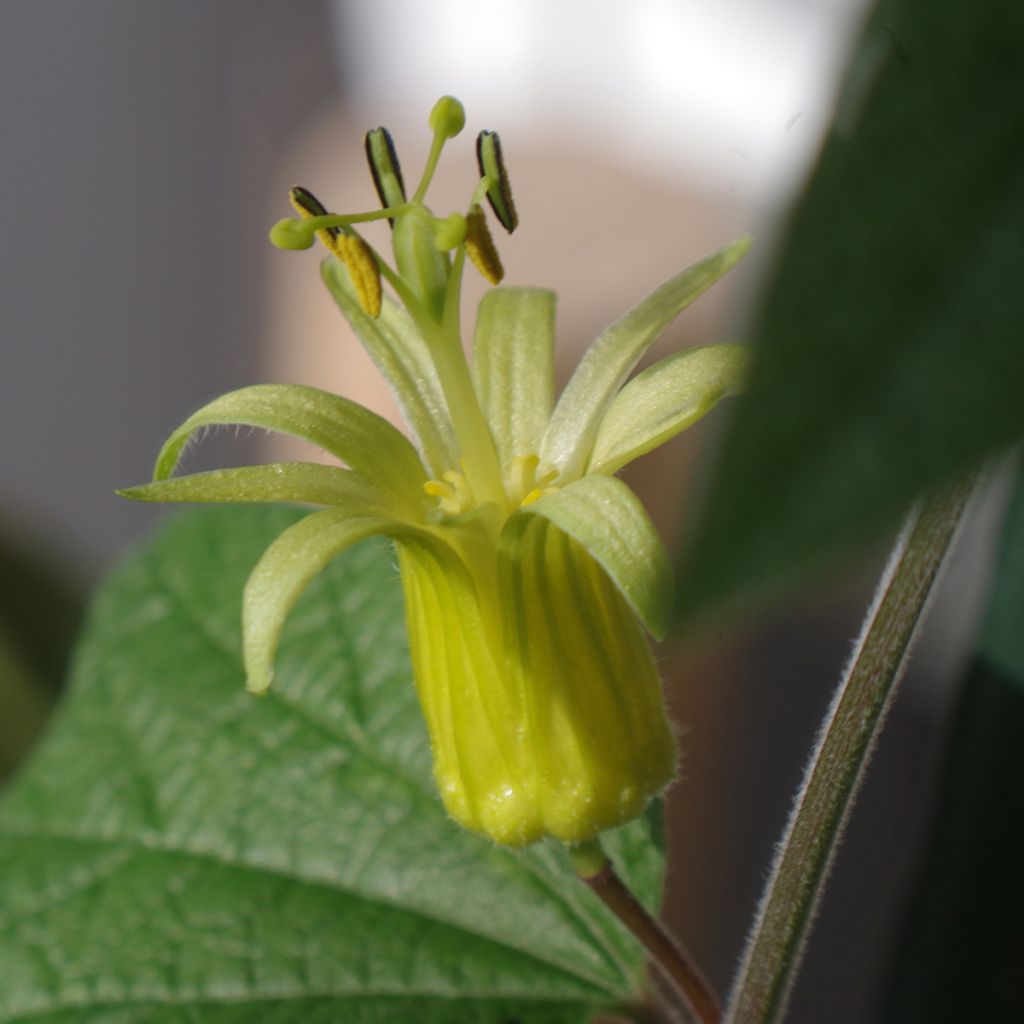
(694, 998)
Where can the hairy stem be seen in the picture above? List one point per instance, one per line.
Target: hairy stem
(833, 775)
(687, 983)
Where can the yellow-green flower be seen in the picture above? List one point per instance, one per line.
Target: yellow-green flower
(531, 573)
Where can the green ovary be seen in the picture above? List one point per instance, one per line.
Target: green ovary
(541, 696)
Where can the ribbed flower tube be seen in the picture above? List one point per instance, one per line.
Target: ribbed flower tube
(542, 699)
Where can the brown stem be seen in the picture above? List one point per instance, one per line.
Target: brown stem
(671, 959)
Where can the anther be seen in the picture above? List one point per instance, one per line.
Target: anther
(364, 271)
(524, 485)
(499, 190)
(480, 247)
(447, 502)
(522, 474)
(347, 246)
(384, 166)
(307, 206)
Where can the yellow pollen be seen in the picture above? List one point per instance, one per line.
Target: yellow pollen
(453, 493)
(524, 486)
(349, 248)
(480, 247)
(536, 494)
(362, 266)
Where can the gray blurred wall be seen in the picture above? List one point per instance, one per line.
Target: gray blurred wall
(136, 136)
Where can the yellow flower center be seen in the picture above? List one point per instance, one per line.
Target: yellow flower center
(523, 486)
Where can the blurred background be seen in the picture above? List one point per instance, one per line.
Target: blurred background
(147, 147)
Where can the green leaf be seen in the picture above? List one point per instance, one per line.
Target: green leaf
(665, 399)
(513, 373)
(613, 355)
(400, 353)
(180, 851)
(362, 439)
(607, 518)
(890, 334)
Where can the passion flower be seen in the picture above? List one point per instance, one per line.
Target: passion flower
(531, 573)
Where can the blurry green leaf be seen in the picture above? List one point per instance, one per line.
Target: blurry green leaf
(181, 851)
(891, 332)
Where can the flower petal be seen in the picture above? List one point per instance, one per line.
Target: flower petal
(286, 569)
(665, 399)
(512, 366)
(608, 520)
(611, 358)
(472, 709)
(596, 743)
(276, 481)
(360, 438)
(401, 355)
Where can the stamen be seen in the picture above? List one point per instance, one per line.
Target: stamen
(525, 487)
(522, 474)
(454, 495)
(306, 205)
(309, 208)
(364, 271)
(480, 247)
(357, 256)
(384, 166)
(536, 494)
(499, 190)
(436, 489)
(463, 492)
